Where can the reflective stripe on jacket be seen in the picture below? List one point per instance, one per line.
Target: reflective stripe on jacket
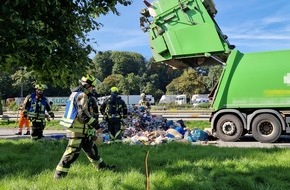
(37, 107)
(71, 110)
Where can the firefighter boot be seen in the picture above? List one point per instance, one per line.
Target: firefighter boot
(27, 133)
(18, 133)
(104, 166)
(59, 174)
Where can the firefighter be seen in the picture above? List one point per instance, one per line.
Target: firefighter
(23, 121)
(35, 106)
(114, 109)
(144, 102)
(81, 120)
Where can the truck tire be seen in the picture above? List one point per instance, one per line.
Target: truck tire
(229, 128)
(266, 128)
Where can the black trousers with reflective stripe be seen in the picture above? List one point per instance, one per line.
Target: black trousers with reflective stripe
(73, 149)
(37, 129)
(114, 125)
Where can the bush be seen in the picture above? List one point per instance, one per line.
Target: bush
(12, 106)
(174, 106)
(203, 105)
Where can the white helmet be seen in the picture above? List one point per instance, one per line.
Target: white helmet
(143, 95)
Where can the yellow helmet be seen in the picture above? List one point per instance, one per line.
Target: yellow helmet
(40, 86)
(114, 89)
(88, 79)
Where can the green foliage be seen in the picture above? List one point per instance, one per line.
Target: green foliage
(109, 81)
(102, 64)
(1, 107)
(165, 74)
(213, 76)
(174, 106)
(203, 105)
(197, 124)
(49, 37)
(127, 62)
(188, 83)
(171, 166)
(12, 106)
(6, 80)
(130, 84)
(55, 108)
(110, 64)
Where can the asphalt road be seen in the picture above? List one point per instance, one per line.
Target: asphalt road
(247, 141)
(9, 133)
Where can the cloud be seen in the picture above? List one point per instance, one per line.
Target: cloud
(266, 33)
(275, 19)
(261, 36)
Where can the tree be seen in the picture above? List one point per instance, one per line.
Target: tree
(109, 81)
(128, 62)
(22, 80)
(118, 62)
(6, 81)
(151, 89)
(188, 83)
(130, 84)
(213, 76)
(49, 37)
(102, 64)
(164, 73)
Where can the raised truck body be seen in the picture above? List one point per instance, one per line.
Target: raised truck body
(253, 92)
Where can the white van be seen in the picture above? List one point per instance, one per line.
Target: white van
(180, 99)
(167, 99)
(198, 99)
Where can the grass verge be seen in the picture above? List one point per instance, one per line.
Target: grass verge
(27, 164)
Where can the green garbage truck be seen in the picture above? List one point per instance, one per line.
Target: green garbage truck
(253, 92)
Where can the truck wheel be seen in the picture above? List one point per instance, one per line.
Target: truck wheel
(229, 128)
(266, 128)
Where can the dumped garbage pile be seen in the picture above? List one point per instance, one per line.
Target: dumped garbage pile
(143, 128)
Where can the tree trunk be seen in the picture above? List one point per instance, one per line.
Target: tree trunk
(1, 109)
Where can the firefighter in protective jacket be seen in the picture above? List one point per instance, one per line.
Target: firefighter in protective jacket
(35, 105)
(114, 109)
(81, 120)
(144, 102)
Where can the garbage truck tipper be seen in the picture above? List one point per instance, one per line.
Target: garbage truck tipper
(253, 92)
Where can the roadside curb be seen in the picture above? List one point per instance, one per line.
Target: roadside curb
(9, 133)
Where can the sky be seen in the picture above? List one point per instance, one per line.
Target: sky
(251, 25)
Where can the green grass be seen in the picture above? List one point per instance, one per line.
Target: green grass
(26, 164)
(197, 124)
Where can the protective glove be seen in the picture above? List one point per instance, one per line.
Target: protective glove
(51, 114)
(94, 124)
(25, 113)
(91, 132)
